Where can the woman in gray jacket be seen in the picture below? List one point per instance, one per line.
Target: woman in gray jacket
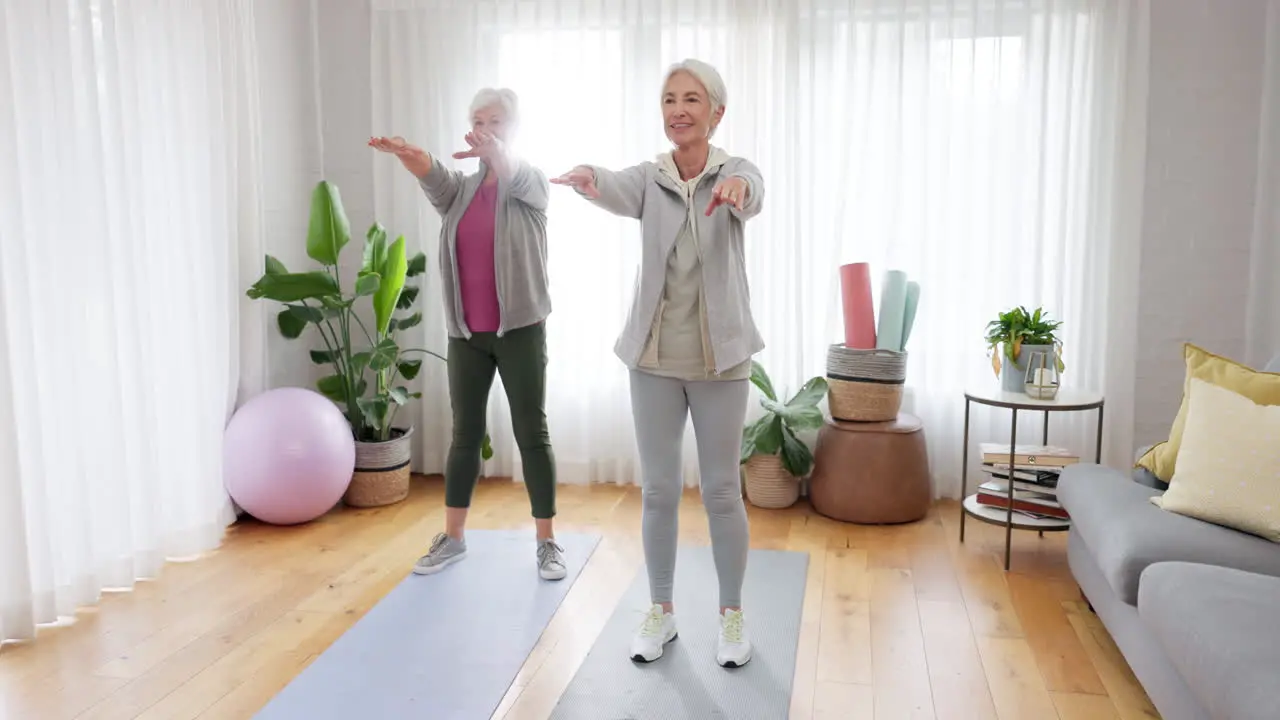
(688, 340)
(493, 267)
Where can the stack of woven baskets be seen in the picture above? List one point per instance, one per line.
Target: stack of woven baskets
(865, 385)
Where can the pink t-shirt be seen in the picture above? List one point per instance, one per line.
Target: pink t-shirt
(476, 276)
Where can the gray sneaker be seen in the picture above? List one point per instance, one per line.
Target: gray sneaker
(444, 552)
(551, 560)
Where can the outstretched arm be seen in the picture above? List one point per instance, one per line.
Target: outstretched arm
(621, 192)
(440, 184)
(742, 192)
(525, 182)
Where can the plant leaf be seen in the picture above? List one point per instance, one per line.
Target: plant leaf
(810, 395)
(409, 368)
(275, 267)
(388, 294)
(769, 439)
(321, 357)
(328, 231)
(374, 409)
(375, 249)
(290, 325)
(486, 448)
(417, 265)
(358, 363)
(305, 313)
(333, 387)
(292, 287)
(384, 355)
(367, 284)
(408, 322)
(796, 457)
(399, 395)
(750, 434)
(407, 297)
(760, 379)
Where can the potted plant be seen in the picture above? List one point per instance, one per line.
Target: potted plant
(1021, 337)
(356, 352)
(773, 456)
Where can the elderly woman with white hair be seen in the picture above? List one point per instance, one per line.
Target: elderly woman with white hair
(688, 340)
(493, 250)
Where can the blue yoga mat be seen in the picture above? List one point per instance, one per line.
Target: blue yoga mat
(893, 306)
(444, 646)
(686, 682)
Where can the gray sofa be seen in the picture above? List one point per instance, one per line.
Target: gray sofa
(1194, 607)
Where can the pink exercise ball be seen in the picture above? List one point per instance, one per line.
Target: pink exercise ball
(288, 456)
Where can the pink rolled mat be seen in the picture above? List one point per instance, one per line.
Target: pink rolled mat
(859, 313)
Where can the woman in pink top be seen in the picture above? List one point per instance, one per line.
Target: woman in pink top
(493, 250)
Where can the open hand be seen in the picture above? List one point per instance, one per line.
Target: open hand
(732, 191)
(483, 145)
(582, 179)
(414, 158)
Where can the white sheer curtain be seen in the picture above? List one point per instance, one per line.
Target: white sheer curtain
(1263, 333)
(990, 149)
(129, 193)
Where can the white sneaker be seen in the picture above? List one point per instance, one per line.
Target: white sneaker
(444, 552)
(551, 561)
(735, 648)
(658, 629)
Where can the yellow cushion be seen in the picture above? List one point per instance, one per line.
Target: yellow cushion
(1262, 388)
(1229, 463)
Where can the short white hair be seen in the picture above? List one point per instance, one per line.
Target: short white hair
(704, 73)
(504, 97)
(710, 78)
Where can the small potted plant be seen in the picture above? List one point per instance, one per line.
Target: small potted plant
(773, 456)
(357, 352)
(1020, 337)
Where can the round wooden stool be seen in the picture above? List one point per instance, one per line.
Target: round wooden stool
(871, 473)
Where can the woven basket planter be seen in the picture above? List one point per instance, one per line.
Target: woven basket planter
(865, 385)
(768, 483)
(382, 472)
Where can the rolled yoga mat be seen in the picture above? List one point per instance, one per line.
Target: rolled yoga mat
(686, 682)
(859, 310)
(909, 315)
(444, 646)
(893, 306)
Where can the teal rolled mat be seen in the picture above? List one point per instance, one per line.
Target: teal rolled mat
(909, 313)
(893, 306)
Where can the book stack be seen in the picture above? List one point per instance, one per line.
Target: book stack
(1033, 471)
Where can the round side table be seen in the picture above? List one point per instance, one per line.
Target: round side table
(871, 473)
(1065, 401)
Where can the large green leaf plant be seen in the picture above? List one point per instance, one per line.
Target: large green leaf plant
(1017, 327)
(776, 431)
(369, 366)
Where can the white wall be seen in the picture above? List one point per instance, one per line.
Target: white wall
(1202, 161)
(1204, 116)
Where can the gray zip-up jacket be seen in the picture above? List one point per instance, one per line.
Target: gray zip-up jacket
(645, 193)
(519, 243)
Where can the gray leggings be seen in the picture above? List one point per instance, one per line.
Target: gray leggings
(719, 407)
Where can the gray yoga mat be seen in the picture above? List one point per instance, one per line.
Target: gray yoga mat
(444, 646)
(686, 682)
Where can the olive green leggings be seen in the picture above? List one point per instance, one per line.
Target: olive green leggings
(520, 358)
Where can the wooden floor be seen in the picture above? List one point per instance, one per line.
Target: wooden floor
(899, 622)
